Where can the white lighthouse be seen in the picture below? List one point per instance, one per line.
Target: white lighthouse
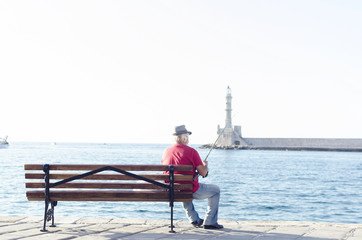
(228, 109)
(229, 136)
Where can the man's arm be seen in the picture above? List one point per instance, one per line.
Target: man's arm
(203, 169)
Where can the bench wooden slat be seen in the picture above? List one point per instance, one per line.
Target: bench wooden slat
(181, 168)
(154, 196)
(104, 185)
(161, 177)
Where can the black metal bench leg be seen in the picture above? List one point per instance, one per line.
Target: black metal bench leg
(45, 216)
(53, 203)
(172, 226)
(46, 191)
(171, 194)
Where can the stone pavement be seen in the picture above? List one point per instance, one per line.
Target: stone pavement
(121, 228)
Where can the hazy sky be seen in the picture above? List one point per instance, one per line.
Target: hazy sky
(129, 71)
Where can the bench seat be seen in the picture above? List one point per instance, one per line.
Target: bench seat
(104, 195)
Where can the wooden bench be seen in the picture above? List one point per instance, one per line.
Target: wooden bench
(79, 182)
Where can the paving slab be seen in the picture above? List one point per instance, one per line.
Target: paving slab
(14, 228)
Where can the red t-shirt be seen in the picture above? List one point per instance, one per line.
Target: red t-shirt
(180, 154)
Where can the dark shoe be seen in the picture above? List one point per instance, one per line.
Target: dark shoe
(198, 224)
(213, 226)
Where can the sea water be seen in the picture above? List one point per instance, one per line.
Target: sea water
(255, 185)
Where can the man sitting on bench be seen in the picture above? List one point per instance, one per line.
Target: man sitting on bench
(181, 154)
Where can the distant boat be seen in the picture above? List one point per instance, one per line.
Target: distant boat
(3, 142)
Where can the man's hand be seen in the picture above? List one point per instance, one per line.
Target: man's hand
(203, 169)
(205, 163)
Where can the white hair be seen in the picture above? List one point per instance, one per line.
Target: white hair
(182, 139)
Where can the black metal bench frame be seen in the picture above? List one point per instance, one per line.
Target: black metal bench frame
(49, 213)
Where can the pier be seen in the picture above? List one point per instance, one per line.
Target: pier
(295, 144)
(230, 137)
(14, 228)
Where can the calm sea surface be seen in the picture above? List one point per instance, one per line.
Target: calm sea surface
(255, 185)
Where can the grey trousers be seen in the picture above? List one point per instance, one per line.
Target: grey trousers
(212, 193)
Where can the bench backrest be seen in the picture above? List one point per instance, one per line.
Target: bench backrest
(106, 185)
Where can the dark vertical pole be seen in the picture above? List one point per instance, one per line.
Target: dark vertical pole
(172, 192)
(46, 200)
(53, 203)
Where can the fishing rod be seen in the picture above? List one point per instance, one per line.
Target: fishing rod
(213, 146)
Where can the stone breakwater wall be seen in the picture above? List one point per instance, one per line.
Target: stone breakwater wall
(308, 144)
